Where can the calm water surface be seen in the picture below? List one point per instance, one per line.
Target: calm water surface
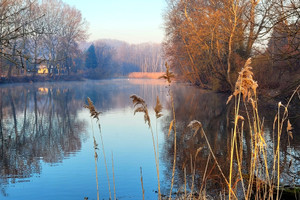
(46, 138)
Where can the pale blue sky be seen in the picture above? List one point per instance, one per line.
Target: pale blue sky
(133, 21)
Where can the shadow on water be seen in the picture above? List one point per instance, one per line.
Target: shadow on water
(217, 119)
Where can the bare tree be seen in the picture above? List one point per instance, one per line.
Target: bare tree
(208, 41)
(15, 25)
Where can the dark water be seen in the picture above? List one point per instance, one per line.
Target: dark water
(46, 139)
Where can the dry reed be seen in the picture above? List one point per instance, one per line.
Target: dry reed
(259, 178)
(141, 106)
(95, 114)
(169, 76)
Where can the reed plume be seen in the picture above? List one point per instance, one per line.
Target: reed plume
(245, 84)
(141, 106)
(95, 114)
(91, 107)
(168, 75)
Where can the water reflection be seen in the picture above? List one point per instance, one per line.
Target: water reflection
(46, 123)
(42, 123)
(192, 103)
(36, 123)
(217, 119)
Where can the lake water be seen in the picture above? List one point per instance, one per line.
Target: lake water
(47, 146)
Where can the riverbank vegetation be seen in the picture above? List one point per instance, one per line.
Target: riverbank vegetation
(43, 40)
(39, 37)
(251, 165)
(253, 168)
(113, 58)
(208, 41)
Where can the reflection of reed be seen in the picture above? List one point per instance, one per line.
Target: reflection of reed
(243, 158)
(197, 105)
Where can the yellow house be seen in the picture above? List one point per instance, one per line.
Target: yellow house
(43, 69)
(43, 90)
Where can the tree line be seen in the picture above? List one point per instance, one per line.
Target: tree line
(39, 32)
(111, 58)
(208, 41)
(46, 37)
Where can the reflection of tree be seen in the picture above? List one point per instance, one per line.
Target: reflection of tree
(40, 121)
(193, 104)
(115, 94)
(36, 125)
(216, 117)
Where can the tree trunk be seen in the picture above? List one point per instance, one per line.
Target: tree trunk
(251, 38)
(11, 64)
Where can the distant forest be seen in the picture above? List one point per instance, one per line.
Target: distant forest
(207, 42)
(46, 39)
(109, 58)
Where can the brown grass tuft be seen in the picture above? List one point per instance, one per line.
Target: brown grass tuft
(138, 101)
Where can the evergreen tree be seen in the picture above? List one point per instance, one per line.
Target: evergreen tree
(90, 58)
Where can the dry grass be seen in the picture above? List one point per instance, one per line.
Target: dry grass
(148, 75)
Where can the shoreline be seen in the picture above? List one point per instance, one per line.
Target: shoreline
(40, 78)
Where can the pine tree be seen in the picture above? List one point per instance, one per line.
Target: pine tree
(90, 58)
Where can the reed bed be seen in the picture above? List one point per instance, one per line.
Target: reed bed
(148, 75)
(261, 180)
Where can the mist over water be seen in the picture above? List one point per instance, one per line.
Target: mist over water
(46, 138)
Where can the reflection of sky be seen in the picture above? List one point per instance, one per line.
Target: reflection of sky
(124, 134)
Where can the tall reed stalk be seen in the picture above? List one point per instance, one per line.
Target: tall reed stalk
(258, 178)
(105, 163)
(96, 159)
(141, 106)
(168, 76)
(95, 115)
